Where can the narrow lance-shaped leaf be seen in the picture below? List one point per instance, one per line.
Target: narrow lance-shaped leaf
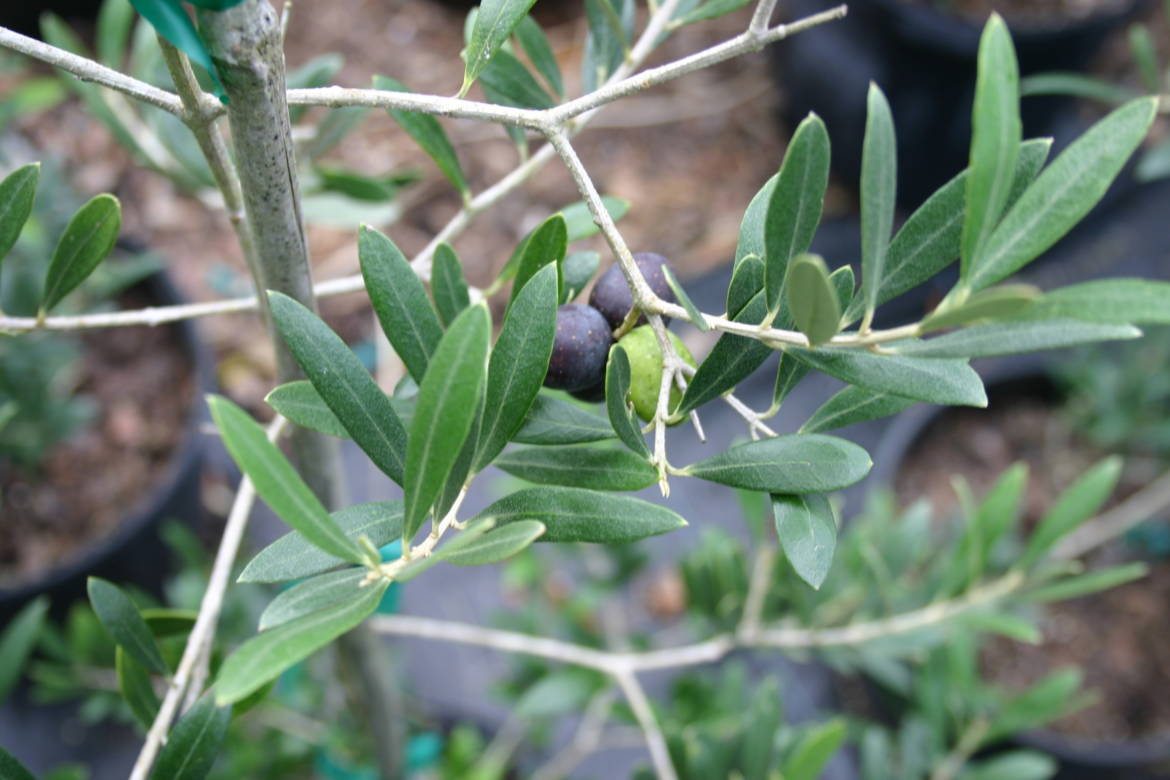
(17, 193)
(747, 279)
(11, 769)
(344, 384)
(136, 688)
(300, 402)
(195, 742)
(995, 139)
(937, 381)
(879, 178)
(730, 361)
(265, 656)
(428, 134)
(546, 245)
(585, 467)
(578, 515)
(579, 219)
(535, 44)
(994, 303)
(788, 375)
(493, 26)
(577, 270)
(448, 286)
(807, 530)
(465, 539)
(17, 641)
(507, 82)
(1012, 338)
(277, 482)
(292, 556)
(853, 405)
(88, 238)
(399, 299)
(1063, 193)
(518, 364)
(1087, 583)
(810, 755)
(316, 593)
(795, 464)
(617, 388)
(497, 544)
(120, 618)
(447, 401)
(844, 285)
(1074, 506)
(693, 313)
(552, 421)
(814, 304)
(794, 208)
(751, 227)
(931, 237)
(1109, 301)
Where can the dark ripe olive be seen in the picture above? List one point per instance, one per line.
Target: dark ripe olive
(580, 349)
(593, 395)
(612, 297)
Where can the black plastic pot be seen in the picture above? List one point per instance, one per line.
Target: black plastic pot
(924, 59)
(134, 553)
(1078, 758)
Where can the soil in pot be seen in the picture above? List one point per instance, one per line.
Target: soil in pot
(142, 381)
(1127, 665)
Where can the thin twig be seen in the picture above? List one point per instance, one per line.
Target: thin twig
(88, 70)
(203, 632)
(636, 697)
(1147, 503)
(585, 739)
(753, 606)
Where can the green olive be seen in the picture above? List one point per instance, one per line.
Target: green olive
(641, 346)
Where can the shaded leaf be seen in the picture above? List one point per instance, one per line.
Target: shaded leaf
(553, 421)
(807, 529)
(1010, 338)
(428, 134)
(300, 402)
(265, 656)
(136, 688)
(17, 193)
(994, 303)
(1063, 193)
(11, 769)
(578, 270)
(810, 755)
(853, 405)
(693, 313)
(544, 246)
(507, 82)
(87, 239)
(794, 208)
(995, 141)
(311, 595)
(746, 280)
(617, 389)
(344, 384)
(730, 361)
(579, 219)
(18, 640)
(585, 467)
(519, 363)
(879, 179)
(1117, 301)
(493, 26)
(577, 515)
(194, 743)
(812, 300)
(293, 556)
(498, 544)
(448, 398)
(752, 226)
(934, 380)
(277, 482)
(535, 44)
(1073, 507)
(1086, 584)
(399, 299)
(448, 286)
(121, 620)
(795, 464)
(788, 375)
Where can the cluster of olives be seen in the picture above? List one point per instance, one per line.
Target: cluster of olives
(585, 335)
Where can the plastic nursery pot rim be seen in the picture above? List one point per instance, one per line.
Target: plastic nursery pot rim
(904, 432)
(932, 28)
(186, 458)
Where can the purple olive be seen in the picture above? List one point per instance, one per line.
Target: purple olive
(612, 297)
(580, 349)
